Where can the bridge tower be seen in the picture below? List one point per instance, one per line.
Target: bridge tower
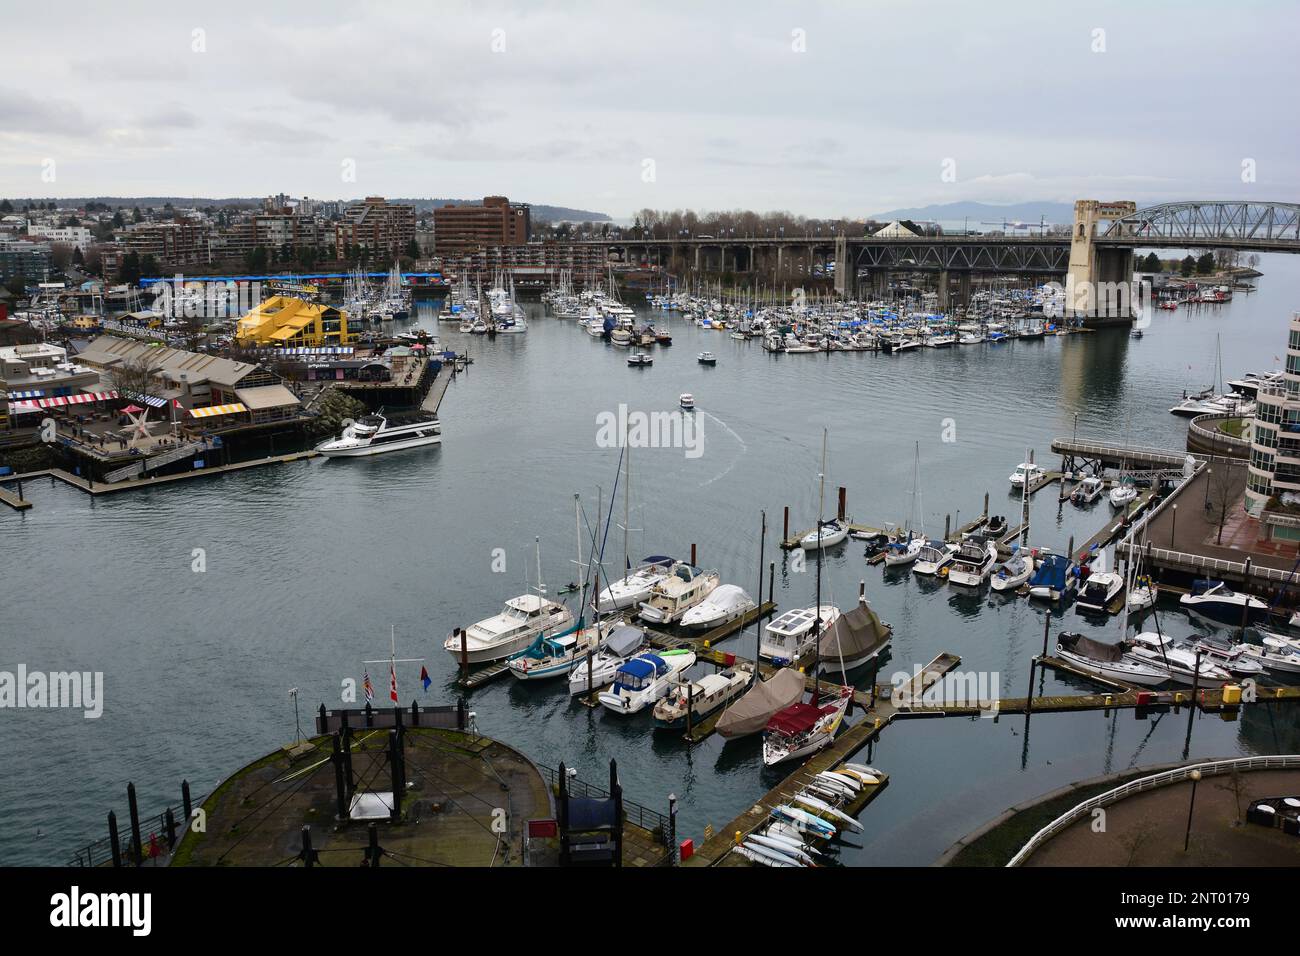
(1090, 266)
(846, 269)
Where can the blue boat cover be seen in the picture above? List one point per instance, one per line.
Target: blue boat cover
(1051, 573)
(644, 666)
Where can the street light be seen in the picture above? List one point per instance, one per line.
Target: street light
(1173, 524)
(1187, 839)
(1209, 474)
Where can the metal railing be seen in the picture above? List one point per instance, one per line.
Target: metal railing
(642, 816)
(1165, 778)
(100, 852)
(1198, 561)
(1214, 435)
(1163, 456)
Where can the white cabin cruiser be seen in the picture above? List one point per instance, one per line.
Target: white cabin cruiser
(644, 679)
(680, 590)
(701, 698)
(1013, 572)
(786, 639)
(521, 620)
(1026, 471)
(1176, 661)
(829, 534)
(1218, 602)
(1276, 654)
(635, 587)
(726, 603)
(374, 435)
(1087, 491)
(933, 558)
(973, 563)
(620, 645)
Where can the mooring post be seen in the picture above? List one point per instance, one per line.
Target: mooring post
(464, 653)
(415, 713)
(690, 703)
(169, 827)
(339, 796)
(986, 504)
(395, 774)
(461, 715)
(137, 849)
(308, 855)
(590, 654)
(844, 502)
(947, 527)
(693, 562)
(785, 533)
(673, 849)
(322, 717)
(114, 840)
(771, 581)
(185, 801)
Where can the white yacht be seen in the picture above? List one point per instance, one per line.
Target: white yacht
(679, 591)
(1026, 471)
(973, 563)
(1087, 491)
(786, 639)
(644, 679)
(597, 670)
(635, 587)
(933, 558)
(687, 402)
(520, 622)
(1013, 572)
(1108, 660)
(375, 435)
(1178, 663)
(726, 603)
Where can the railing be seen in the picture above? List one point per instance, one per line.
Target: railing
(1214, 435)
(1165, 778)
(1105, 450)
(1218, 565)
(99, 852)
(643, 817)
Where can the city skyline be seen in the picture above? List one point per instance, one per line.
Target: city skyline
(824, 110)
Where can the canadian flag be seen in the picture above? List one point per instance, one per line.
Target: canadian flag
(392, 682)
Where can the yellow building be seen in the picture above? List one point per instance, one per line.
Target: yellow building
(285, 322)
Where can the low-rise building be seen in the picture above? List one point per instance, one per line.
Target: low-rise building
(42, 370)
(287, 322)
(21, 259)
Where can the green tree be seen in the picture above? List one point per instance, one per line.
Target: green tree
(118, 221)
(1188, 265)
(1205, 264)
(1151, 263)
(412, 249)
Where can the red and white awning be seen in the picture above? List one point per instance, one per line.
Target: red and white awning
(81, 399)
(218, 410)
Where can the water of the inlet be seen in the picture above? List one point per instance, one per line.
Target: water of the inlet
(309, 564)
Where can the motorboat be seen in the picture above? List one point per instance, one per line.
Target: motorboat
(1099, 589)
(702, 698)
(553, 655)
(1048, 582)
(707, 358)
(802, 729)
(826, 535)
(1276, 654)
(687, 401)
(1142, 595)
(760, 702)
(995, 527)
(933, 557)
(375, 435)
(875, 541)
(1088, 490)
(597, 670)
(1231, 657)
(973, 563)
(644, 679)
(856, 637)
(786, 639)
(1218, 602)
(635, 586)
(1110, 661)
(726, 603)
(1014, 571)
(640, 359)
(680, 590)
(1026, 471)
(1177, 661)
(520, 622)
(1123, 494)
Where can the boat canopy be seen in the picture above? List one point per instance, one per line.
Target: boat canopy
(796, 719)
(644, 666)
(1051, 573)
(751, 713)
(623, 640)
(854, 633)
(1087, 647)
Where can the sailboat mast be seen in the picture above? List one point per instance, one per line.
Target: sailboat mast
(817, 622)
(541, 588)
(627, 500)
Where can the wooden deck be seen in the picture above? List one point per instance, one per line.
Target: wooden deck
(13, 501)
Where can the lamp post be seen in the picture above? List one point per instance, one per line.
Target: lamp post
(1187, 838)
(1076, 427)
(1173, 524)
(1209, 476)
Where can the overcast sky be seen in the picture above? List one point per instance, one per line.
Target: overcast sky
(835, 108)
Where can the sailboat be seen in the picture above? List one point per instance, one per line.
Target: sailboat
(906, 550)
(827, 533)
(638, 582)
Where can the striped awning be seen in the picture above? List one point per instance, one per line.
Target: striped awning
(81, 399)
(218, 410)
(30, 393)
(18, 408)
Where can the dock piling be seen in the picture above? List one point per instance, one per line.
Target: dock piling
(771, 579)
(137, 849)
(844, 497)
(185, 800)
(785, 530)
(947, 527)
(694, 564)
(464, 652)
(115, 842)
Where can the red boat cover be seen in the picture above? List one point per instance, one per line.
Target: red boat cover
(795, 719)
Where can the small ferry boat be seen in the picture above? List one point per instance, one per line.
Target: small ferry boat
(687, 401)
(707, 358)
(702, 699)
(375, 435)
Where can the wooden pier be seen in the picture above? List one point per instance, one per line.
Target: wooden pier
(13, 501)
(436, 392)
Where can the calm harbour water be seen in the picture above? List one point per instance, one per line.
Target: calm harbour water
(309, 564)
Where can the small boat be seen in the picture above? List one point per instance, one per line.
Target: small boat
(1177, 662)
(854, 638)
(805, 822)
(680, 590)
(1026, 471)
(707, 358)
(687, 401)
(1276, 654)
(875, 541)
(786, 639)
(1014, 571)
(644, 679)
(783, 847)
(1123, 493)
(1107, 660)
(521, 620)
(1218, 602)
(1100, 588)
(995, 527)
(597, 670)
(973, 563)
(822, 808)
(1087, 491)
(802, 729)
(1231, 657)
(1142, 595)
(702, 698)
(763, 856)
(635, 586)
(826, 535)
(640, 359)
(933, 558)
(726, 603)
(1048, 582)
(903, 551)
(553, 656)
(755, 708)
(375, 435)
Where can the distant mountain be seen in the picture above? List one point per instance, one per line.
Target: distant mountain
(539, 212)
(977, 212)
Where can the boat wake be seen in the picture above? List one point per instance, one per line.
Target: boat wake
(740, 441)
